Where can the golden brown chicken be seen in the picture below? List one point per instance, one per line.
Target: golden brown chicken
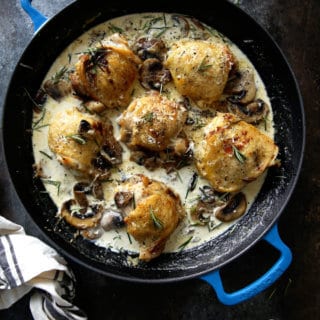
(156, 213)
(107, 73)
(82, 142)
(200, 69)
(232, 153)
(152, 122)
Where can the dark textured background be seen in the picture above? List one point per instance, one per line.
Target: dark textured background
(295, 25)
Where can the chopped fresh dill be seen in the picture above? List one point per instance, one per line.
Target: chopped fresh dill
(239, 156)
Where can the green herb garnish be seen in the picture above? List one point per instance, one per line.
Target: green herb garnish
(183, 245)
(129, 238)
(59, 75)
(156, 221)
(239, 156)
(114, 28)
(203, 66)
(57, 184)
(148, 117)
(77, 138)
(45, 154)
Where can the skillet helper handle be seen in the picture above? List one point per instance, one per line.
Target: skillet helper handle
(37, 18)
(262, 283)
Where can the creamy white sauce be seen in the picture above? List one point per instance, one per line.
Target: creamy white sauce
(134, 27)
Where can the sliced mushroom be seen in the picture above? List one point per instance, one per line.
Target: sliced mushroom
(234, 208)
(147, 48)
(252, 112)
(57, 89)
(153, 75)
(94, 106)
(123, 198)
(241, 87)
(80, 191)
(74, 215)
(111, 219)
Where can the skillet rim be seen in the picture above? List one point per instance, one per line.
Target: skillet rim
(290, 189)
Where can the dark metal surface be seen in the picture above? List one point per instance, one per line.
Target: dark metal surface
(193, 299)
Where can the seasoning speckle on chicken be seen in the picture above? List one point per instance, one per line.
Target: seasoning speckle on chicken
(107, 73)
(155, 215)
(77, 139)
(200, 69)
(152, 122)
(233, 153)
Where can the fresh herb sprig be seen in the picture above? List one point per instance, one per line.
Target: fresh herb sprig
(184, 244)
(239, 156)
(156, 221)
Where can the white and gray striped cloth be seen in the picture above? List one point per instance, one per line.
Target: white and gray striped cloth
(27, 263)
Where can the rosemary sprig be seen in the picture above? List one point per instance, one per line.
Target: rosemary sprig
(203, 66)
(59, 75)
(77, 138)
(113, 28)
(184, 244)
(36, 125)
(129, 238)
(57, 184)
(192, 183)
(32, 100)
(148, 117)
(45, 154)
(239, 156)
(156, 221)
(212, 225)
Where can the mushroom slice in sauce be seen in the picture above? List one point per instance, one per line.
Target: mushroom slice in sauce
(252, 112)
(241, 87)
(153, 75)
(235, 208)
(57, 89)
(79, 217)
(147, 48)
(111, 219)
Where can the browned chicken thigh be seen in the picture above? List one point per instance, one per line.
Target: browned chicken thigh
(153, 215)
(107, 73)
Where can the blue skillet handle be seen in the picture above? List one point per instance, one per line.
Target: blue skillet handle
(37, 18)
(267, 279)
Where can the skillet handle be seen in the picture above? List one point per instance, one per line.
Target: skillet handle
(214, 278)
(37, 18)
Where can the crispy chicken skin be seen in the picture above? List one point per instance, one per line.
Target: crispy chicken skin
(77, 138)
(200, 69)
(107, 74)
(151, 122)
(156, 214)
(232, 153)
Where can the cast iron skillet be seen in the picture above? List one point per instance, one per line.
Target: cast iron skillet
(204, 261)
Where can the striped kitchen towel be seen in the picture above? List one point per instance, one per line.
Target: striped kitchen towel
(27, 263)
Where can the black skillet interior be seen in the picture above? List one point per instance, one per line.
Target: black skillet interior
(288, 116)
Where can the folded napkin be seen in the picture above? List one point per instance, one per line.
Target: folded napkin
(27, 263)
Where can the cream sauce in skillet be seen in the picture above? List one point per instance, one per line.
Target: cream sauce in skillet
(59, 181)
